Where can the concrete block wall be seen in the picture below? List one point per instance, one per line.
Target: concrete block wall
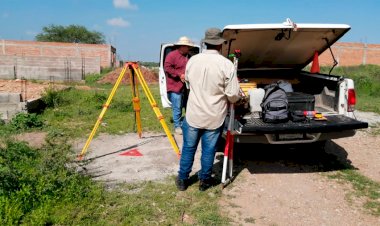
(10, 104)
(106, 53)
(47, 68)
(53, 60)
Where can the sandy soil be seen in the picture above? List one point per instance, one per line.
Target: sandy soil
(30, 90)
(34, 139)
(281, 186)
(289, 186)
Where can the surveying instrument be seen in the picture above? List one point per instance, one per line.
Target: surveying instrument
(134, 71)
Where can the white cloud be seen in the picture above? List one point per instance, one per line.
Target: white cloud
(5, 15)
(124, 4)
(118, 22)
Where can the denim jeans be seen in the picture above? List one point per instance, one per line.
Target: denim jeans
(176, 100)
(191, 138)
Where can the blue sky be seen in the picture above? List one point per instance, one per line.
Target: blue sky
(137, 27)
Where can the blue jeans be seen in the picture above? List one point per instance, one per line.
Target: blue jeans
(176, 99)
(191, 137)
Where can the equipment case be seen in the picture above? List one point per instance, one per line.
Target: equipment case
(300, 101)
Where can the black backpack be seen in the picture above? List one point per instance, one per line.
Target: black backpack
(275, 104)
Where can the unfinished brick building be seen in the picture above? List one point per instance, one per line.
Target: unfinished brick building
(53, 60)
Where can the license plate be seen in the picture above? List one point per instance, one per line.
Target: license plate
(290, 136)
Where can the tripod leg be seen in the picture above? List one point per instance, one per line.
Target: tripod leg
(156, 110)
(103, 112)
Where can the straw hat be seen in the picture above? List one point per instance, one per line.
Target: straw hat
(213, 36)
(184, 41)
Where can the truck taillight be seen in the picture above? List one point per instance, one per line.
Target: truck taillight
(351, 100)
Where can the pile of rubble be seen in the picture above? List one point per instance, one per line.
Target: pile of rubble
(149, 76)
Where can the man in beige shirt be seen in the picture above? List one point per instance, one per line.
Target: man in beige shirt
(213, 83)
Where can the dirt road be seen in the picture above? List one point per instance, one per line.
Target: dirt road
(290, 186)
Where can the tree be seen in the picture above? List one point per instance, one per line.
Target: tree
(71, 33)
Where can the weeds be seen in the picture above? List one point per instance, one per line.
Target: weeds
(52, 97)
(24, 121)
(80, 109)
(38, 187)
(367, 84)
(363, 187)
(91, 79)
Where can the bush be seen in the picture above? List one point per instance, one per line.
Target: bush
(36, 183)
(24, 121)
(52, 98)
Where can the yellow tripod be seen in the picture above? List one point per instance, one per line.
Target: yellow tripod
(134, 71)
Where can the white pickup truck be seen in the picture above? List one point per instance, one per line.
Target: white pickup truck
(272, 52)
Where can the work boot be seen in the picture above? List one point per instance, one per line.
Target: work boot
(181, 184)
(206, 184)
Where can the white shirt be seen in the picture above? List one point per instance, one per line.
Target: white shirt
(213, 83)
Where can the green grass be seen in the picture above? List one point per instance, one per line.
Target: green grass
(75, 112)
(91, 79)
(367, 84)
(364, 188)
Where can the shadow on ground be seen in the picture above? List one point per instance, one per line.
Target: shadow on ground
(300, 158)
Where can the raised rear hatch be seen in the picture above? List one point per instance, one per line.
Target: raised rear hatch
(284, 45)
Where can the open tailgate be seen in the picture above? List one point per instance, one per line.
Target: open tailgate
(334, 123)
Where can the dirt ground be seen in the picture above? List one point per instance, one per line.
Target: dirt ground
(281, 186)
(274, 185)
(30, 90)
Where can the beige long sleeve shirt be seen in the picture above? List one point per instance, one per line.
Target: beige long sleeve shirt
(212, 83)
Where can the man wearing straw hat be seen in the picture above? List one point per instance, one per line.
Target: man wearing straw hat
(213, 84)
(174, 66)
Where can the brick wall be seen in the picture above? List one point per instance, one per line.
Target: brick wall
(105, 53)
(53, 60)
(351, 54)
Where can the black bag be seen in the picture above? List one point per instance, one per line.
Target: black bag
(275, 104)
(297, 116)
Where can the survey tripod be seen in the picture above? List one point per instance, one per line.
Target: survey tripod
(134, 72)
